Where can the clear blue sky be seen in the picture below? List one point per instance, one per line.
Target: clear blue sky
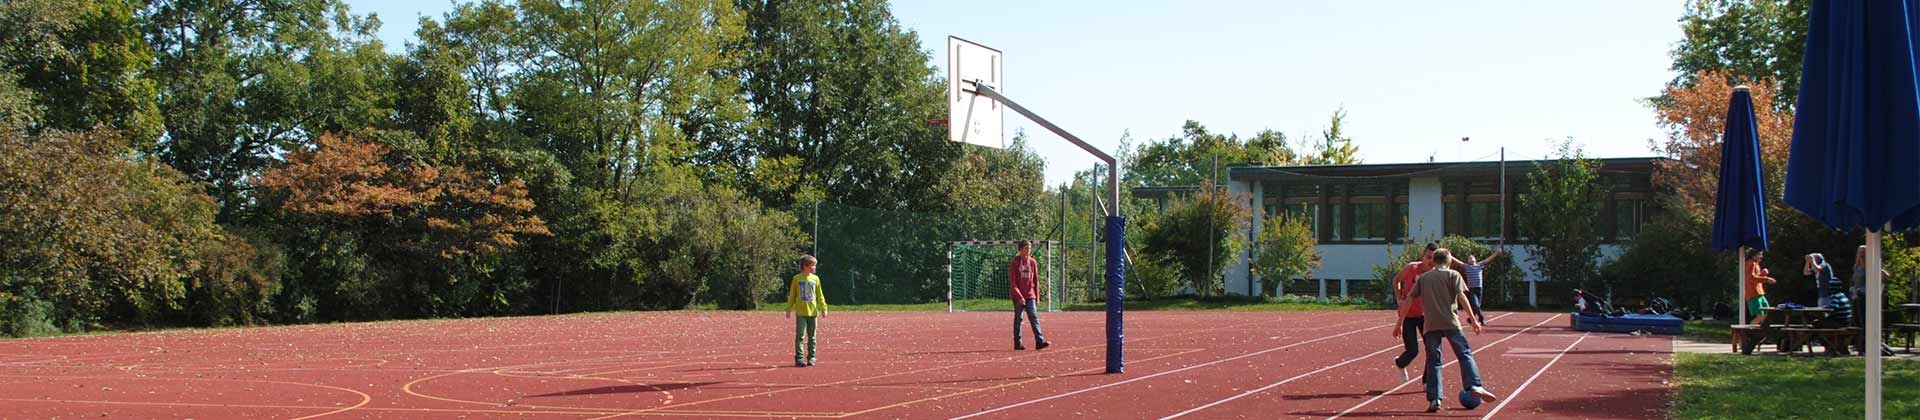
(1414, 76)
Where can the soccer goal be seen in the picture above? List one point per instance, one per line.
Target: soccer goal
(977, 274)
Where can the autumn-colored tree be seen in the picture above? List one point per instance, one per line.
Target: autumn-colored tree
(341, 177)
(1694, 118)
(396, 212)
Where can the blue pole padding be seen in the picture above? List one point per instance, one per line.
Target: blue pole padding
(1116, 293)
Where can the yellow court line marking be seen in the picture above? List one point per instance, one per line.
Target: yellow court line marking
(364, 398)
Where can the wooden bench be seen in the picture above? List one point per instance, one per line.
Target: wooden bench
(1836, 340)
(1747, 333)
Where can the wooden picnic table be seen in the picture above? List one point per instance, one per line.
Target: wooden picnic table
(1911, 327)
(1776, 329)
(1808, 315)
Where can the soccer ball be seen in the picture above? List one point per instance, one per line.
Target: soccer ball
(1468, 400)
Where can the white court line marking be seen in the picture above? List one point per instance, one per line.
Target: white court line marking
(1442, 367)
(1536, 375)
(1066, 394)
(1002, 359)
(1295, 378)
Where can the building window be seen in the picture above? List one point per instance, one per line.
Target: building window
(1483, 220)
(1628, 215)
(1303, 211)
(1370, 221)
(1479, 220)
(1403, 232)
(1334, 235)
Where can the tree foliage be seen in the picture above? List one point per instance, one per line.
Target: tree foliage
(1199, 233)
(95, 234)
(1558, 213)
(1285, 248)
(1756, 42)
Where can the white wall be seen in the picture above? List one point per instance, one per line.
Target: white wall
(1238, 274)
(1426, 213)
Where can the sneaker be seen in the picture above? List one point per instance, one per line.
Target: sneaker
(1403, 375)
(810, 361)
(799, 363)
(1433, 407)
(1042, 346)
(1484, 394)
(1017, 346)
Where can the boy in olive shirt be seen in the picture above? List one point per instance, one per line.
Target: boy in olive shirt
(1444, 292)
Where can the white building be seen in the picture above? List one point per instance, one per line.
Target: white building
(1354, 208)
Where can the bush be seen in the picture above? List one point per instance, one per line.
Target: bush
(23, 317)
(1285, 250)
(1503, 277)
(1199, 234)
(721, 245)
(1153, 277)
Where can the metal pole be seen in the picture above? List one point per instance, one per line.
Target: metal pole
(949, 278)
(816, 228)
(1873, 345)
(1113, 169)
(1740, 284)
(1116, 227)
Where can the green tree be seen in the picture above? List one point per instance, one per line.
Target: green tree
(1558, 212)
(1672, 258)
(1333, 146)
(1746, 41)
(841, 93)
(1199, 234)
(242, 80)
(18, 111)
(1285, 249)
(623, 87)
(85, 60)
(92, 234)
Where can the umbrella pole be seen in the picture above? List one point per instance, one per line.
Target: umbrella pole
(1740, 285)
(1872, 346)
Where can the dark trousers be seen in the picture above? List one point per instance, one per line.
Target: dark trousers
(1410, 332)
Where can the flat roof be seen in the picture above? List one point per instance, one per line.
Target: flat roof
(1425, 169)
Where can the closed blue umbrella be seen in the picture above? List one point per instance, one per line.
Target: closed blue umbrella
(1740, 209)
(1855, 162)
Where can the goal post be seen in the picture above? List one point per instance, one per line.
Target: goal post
(977, 274)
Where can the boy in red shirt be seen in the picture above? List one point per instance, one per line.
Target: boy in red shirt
(1411, 316)
(1023, 276)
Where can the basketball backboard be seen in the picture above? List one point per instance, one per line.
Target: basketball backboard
(972, 118)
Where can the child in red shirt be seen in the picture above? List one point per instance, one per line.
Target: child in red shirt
(1023, 276)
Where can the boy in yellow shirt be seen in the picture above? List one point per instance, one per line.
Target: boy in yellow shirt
(804, 298)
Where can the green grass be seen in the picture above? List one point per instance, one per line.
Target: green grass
(1705, 331)
(1731, 386)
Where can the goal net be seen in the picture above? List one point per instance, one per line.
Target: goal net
(977, 275)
